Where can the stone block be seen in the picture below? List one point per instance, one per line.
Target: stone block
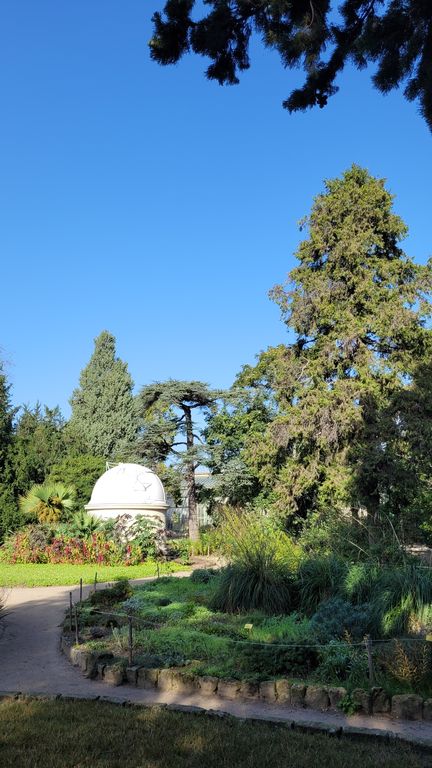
(132, 674)
(182, 682)
(208, 685)
(147, 678)
(298, 691)
(164, 681)
(407, 707)
(361, 699)
(427, 709)
(267, 691)
(317, 697)
(113, 674)
(229, 689)
(336, 694)
(283, 691)
(380, 701)
(249, 691)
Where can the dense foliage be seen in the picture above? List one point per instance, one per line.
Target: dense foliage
(317, 35)
(103, 420)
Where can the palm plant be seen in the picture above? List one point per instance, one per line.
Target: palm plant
(84, 524)
(49, 502)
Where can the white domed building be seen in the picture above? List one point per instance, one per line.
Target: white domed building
(129, 489)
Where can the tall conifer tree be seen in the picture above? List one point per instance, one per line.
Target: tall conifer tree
(103, 420)
(354, 428)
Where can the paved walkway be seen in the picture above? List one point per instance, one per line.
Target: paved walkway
(31, 662)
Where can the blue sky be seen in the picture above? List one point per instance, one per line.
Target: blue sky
(159, 206)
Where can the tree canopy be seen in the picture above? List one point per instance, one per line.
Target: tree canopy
(316, 35)
(352, 389)
(103, 420)
(169, 428)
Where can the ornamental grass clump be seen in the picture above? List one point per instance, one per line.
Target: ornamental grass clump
(263, 560)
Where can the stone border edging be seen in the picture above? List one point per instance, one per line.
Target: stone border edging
(353, 733)
(275, 692)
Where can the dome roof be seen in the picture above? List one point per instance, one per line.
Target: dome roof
(128, 485)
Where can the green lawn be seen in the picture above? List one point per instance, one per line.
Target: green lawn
(37, 734)
(38, 575)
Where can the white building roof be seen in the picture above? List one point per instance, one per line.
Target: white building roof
(128, 484)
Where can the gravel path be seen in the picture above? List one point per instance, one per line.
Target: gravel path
(31, 662)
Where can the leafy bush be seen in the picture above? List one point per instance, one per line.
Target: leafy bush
(38, 544)
(342, 663)
(203, 575)
(267, 660)
(335, 618)
(119, 592)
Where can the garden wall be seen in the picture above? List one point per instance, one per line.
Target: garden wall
(281, 692)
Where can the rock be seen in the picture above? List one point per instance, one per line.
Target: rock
(316, 697)
(427, 709)
(248, 690)
(75, 655)
(208, 685)
(183, 682)
(229, 689)
(283, 691)
(380, 701)
(361, 699)
(132, 674)
(267, 691)
(336, 695)
(147, 678)
(101, 669)
(407, 707)
(164, 681)
(113, 674)
(298, 691)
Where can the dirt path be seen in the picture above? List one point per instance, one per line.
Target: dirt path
(31, 662)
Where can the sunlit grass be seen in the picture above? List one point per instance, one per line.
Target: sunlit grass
(45, 575)
(57, 734)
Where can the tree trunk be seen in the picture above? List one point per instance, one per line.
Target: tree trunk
(190, 479)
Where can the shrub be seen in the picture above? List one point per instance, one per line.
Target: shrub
(342, 663)
(28, 545)
(264, 586)
(263, 559)
(202, 575)
(407, 661)
(48, 503)
(119, 592)
(83, 524)
(272, 659)
(335, 618)
(400, 594)
(319, 579)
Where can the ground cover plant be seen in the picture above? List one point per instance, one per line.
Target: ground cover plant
(177, 625)
(101, 735)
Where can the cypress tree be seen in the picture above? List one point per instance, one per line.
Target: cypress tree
(103, 421)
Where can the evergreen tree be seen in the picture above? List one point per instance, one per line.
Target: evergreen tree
(354, 429)
(242, 417)
(318, 35)
(169, 429)
(10, 517)
(103, 421)
(38, 444)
